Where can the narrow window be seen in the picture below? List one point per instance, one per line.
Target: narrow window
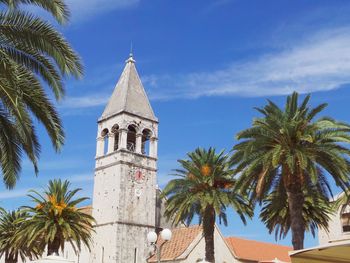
(115, 131)
(135, 255)
(131, 138)
(146, 136)
(104, 135)
(103, 255)
(345, 218)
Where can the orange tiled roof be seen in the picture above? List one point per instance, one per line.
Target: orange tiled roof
(258, 251)
(180, 241)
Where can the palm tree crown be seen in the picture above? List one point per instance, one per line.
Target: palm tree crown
(205, 188)
(11, 248)
(288, 146)
(32, 54)
(55, 219)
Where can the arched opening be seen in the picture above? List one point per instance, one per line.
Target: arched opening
(146, 136)
(345, 218)
(115, 131)
(104, 135)
(131, 138)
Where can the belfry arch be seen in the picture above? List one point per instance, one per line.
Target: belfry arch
(146, 137)
(131, 138)
(116, 137)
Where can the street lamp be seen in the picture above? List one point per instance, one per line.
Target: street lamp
(152, 238)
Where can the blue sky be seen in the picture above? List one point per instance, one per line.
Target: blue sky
(205, 65)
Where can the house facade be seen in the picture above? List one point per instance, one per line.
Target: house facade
(339, 224)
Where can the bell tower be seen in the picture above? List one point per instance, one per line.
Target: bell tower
(124, 198)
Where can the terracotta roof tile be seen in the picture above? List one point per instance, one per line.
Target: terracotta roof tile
(258, 251)
(180, 241)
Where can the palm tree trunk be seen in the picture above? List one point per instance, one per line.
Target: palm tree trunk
(208, 230)
(295, 203)
(53, 247)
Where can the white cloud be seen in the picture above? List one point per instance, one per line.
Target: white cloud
(319, 63)
(75, 178)
(84, 9)
(78, 178)
(84, 101)
(9, 194)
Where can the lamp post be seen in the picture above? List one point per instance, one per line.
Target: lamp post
(152, 238)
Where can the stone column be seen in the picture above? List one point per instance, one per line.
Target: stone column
(139, 143)
(123, 138)
(111, 142)
(100, 147)
(154, 147)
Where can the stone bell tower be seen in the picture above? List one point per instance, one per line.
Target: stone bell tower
(124, 199)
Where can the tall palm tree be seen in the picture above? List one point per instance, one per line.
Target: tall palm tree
(316, 211)
(291, 147)
(10, 247)
(204, 188)
(56, 219)
(33, 55)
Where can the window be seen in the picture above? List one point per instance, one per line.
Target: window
(135, 255)
(146, 135)
(104, 135)
(345, 218)
(131, 138)
(115, 131)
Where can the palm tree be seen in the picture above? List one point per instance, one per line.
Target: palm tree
(288, 146)
(55, 219)
(10, 247)
(33, 54)
(205, 188)
(316, 211)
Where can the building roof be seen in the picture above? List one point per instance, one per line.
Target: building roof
(129, 95)
(180, 241)
(258, 251)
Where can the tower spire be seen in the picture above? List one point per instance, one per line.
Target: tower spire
(129, 95)
(131, 55)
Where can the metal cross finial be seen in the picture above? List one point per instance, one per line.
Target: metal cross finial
(131, 56)
(131, 50)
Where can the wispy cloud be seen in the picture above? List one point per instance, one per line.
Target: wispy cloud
(74, 178)
(85, 9)
(87, 101)
(321, 62)
(78, 178)
(9, 194)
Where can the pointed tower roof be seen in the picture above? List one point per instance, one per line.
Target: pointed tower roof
(129, 95)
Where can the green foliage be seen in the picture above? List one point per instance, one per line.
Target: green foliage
(275, 212)
(288, 147)
(55, 219)
(33, 55)
(196, 188)
(12, 245)
(204, 188)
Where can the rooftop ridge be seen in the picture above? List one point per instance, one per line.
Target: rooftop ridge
(257, 241)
